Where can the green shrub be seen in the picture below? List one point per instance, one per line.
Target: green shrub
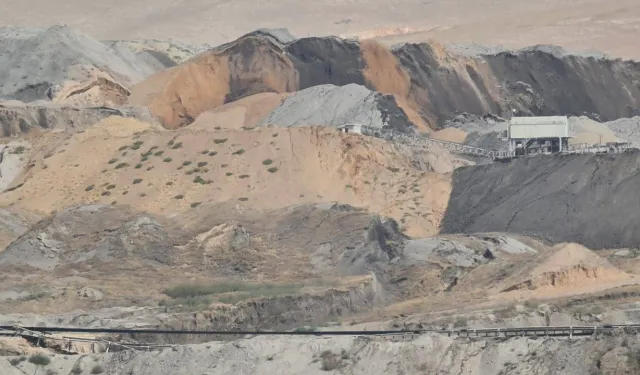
(123, 148)
(77, 369)
(137, 181)
(177, 145)
(167, 160)
(169, 183)
(18, 150)
(149, 168)
(204, 152)
(179, 196)
(97, 369)
(106, 193)
(113, 161)
(39, 360)
(122, 165)
(137, 145)
(109, 187)
(213, 153)
(272, 170)
(89, 188)
(14, 361)
(243, 176)
(224, 165)
(274, 135)
(239, 152)
(219, 141)
(202, 164)
(250, 289)
(185, 163)
(243, 199)
(229, 174)
(171, 142)
(199, 180)
(158, 153)
(195, 204)
(144, 158)
(267, 162)
(138, 166)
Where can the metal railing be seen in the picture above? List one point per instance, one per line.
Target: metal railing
(39, 334)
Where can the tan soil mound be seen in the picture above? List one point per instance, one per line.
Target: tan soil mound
(178, 95)
(101, 90)
(169, 171)
(568, 267)
(244, 113)
(450, 135)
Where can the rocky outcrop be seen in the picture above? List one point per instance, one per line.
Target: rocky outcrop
(18, 118)
(432, 84)
(588, 199)
(33, 60)
(90, 233)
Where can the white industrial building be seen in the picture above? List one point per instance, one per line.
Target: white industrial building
(351, 128)
(538, 135)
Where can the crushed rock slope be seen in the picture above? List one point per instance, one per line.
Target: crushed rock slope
(588, 199)
(431, 83)
(334, 106)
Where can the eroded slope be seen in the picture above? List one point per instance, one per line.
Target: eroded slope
(431, 83)
(589, 199)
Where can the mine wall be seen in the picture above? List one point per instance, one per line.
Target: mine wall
(589, 199)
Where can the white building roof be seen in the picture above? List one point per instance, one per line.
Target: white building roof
(539, 127)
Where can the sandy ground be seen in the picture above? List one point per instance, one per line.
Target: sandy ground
(261, 168)
(609, 26)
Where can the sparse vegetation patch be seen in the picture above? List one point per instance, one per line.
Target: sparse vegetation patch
(230, 292)
(267, 162)
(272, 170)
(39, 360)
(238, 152)
(219, 141)
(137, 181)
(89, 188)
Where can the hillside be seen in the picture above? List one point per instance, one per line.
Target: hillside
(161, 171)
(431, 83)
(588, 199)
